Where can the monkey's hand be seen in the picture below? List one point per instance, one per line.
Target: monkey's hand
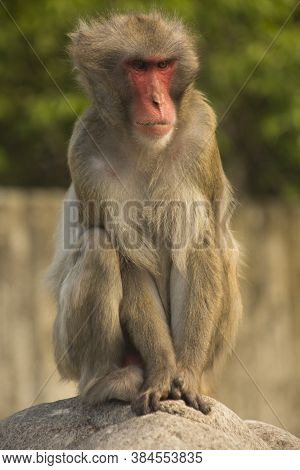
(156, 388)
(187, 387)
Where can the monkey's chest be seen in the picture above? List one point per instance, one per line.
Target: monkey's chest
(173, 224)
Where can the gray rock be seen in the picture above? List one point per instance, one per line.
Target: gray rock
(70, 424)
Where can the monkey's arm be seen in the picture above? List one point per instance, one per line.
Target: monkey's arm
(87, 167)
(195, 318)
(144, 319)
(198, 309)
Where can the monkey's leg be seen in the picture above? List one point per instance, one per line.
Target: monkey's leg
(144, 319)
(195, 309)
(88, 338)
(121, 383)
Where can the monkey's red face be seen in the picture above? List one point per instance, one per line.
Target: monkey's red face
(153, 112)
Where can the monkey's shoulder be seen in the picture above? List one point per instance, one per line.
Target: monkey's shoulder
(198, 109)
(86, 133)
(88, 153)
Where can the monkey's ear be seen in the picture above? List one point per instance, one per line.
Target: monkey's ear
(87, 49)
(83, 50)
(80, 43)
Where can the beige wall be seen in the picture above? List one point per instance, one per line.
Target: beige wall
(261, 380)
(265, 373)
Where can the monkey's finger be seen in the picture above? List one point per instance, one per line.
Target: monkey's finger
(140, 406)
(190, 400)
(154, 401)
(178, 382)
(203, 407)
(175, 393)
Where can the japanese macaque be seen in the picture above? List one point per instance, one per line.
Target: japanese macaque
(147, 295)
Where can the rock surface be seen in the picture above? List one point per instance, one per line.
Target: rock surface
(70, 424)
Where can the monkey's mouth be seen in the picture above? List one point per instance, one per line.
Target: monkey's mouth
(154, 123)
(157, 128)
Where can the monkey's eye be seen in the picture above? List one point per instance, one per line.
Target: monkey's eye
(139, 65)
(163, 64)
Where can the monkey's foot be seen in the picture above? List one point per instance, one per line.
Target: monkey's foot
(121, 383)
(148, 402)
(154, 391)
(184, 388)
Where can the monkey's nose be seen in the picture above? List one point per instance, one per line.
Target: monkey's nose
(156, 102)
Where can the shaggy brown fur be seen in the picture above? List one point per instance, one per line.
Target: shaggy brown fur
(163, 286)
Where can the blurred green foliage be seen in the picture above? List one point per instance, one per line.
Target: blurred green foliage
(259, 118)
